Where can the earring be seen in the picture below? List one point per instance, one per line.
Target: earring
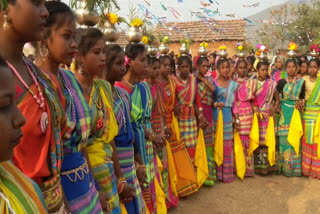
(44, 52)
(81, 69)
(5, 23)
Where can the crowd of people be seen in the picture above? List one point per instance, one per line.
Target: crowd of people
(95, 128)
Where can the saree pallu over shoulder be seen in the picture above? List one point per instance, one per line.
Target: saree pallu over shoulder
(82, 127)
(22, 193)
(104, 129)
(44, 165)
(291, 91)
(264, 94)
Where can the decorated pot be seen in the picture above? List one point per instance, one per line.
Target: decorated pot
(203, 51)
(111, 34)
(164, 48)
(134, 35)
(184, 51)
(84, 16)
(152, 51)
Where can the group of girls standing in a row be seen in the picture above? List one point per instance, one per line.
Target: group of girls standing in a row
(121, 133)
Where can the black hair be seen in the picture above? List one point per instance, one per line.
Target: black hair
(241, 61)
(133, 50)
(111, 54)
(315, 60)
(221, 61)
(3, 62)
(201, 60)
(213, 55)
(151, 60)
(162, 58)
(291, 60)
(173, 66)
(86, 38)
(261, 63)
(251, 60)
(304, 62)
(183, 59)
(59, 12)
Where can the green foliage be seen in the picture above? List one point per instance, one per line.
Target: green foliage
(100, 6)
(3, 5)
(306, 26)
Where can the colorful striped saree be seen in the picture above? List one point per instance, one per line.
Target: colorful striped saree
(310, 159)
(104, 129)
(186, 176)
(158, 116)
(206, 97)
(263, 99)
(244, 99)
(226, 96)
(39, 155)
(77, 181)
(22, 194)
(289, 161)
(125, 149)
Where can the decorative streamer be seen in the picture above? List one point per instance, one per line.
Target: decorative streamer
(163, 7)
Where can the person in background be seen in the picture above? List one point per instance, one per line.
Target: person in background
(291, 92)
(243, 108)
(224, 97)
(252, 74)
(125, 140)
(310, 158)
(304, 66)
(266, 103)
(205, 91)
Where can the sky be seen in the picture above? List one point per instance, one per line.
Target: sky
(183, 10)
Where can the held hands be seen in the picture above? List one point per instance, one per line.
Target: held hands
(104, 201)
(177, 111)
(127, 194)
(300, 105)
(142, 175)
(167, 133)
(219, 105)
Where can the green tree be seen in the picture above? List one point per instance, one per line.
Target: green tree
(306, 26)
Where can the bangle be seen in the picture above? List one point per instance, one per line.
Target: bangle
(237, 121)
(122, 179)
(200, 109)
(215, 104)
(120, 187)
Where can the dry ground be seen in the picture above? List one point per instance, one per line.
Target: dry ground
(271, 194)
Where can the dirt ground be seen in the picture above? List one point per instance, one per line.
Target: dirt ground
(271, 194)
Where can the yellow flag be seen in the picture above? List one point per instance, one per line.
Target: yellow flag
(317, 135)
(270, 141)
(160, 198)
(218, 144)
(295, 131)
(239, 156)
(175, 127)
(254, 135)
(200, 160)
(172, 171)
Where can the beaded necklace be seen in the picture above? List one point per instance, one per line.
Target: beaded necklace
(73, 107)
(122, 108)
(44, 119)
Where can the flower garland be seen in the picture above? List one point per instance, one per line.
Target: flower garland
(222, 47)
(204, 44)
(292, 46)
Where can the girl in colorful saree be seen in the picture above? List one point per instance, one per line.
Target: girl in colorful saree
(18, 193)
(205, 91)
(266, 103)
(39, 153)
(188, 105)
(224, 96)
(243, 107)
(76, 172)
(186, 176)
(310, 140)
(90, 63)
(136, 64)
(291, 92)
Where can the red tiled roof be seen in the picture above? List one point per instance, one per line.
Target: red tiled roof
(200, 31)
